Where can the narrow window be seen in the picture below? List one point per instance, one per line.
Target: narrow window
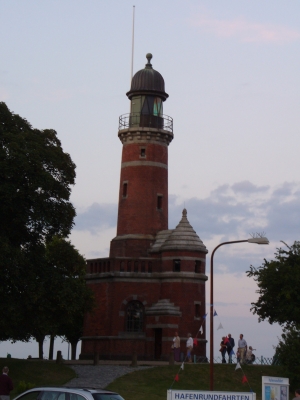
(136, 266)
(143, 266)
(108, 266)
(104, 266)
(122, 265)
(159, 201)
(91, 268)
(100, 266)
(96, 267)
(197, 310)
(197, 267)
(129, 266)
(150, 267)
(143, 152)
(125, 184)
(176, 265)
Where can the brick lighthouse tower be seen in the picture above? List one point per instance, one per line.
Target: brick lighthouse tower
(153, 282)
(145, 134)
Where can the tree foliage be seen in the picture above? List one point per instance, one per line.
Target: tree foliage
(278, 281)
(287, 353)
(41, 274)
(35, 183)
(63, 296)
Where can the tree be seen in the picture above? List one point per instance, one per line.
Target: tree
(35, 183)
(278, 287)
(36, 176)
(64, 296)
(287, 353)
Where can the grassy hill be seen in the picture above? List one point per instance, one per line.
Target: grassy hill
(149, 384)
(154, 383)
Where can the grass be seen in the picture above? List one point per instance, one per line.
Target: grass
(150, 384)
(154, 383)
(37, 372)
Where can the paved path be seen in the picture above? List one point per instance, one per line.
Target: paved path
(98, 376)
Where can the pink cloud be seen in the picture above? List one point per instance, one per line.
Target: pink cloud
(247, 31)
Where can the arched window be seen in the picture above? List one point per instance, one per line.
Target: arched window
(135, 316)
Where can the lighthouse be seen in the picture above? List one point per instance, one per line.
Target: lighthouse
(153, 282)
(145, 134)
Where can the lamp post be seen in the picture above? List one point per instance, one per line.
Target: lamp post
(258, 240)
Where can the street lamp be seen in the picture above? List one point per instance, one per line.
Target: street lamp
(258, 240)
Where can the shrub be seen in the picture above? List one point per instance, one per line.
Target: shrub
(23, 386)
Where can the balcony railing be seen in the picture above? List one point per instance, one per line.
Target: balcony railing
(146, 121)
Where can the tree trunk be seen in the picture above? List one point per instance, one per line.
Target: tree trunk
(40, 339)
(51, 346)
(73, 349)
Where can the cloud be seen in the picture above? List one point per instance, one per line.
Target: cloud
(244, 208)
(246, 31)
(230, 212)
(97, 218)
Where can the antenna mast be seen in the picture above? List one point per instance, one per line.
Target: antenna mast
(132, 49)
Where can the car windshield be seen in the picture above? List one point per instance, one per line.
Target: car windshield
(107, 396)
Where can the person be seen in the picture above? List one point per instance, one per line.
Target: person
(6, 385)
(176, 347)
(297, 394)
(249, 355)
(223, 349)
(230, 347)
(242, 345)
(189, 347)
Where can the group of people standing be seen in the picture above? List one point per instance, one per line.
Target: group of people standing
(227, 344)
(243, 353)
(176, 347)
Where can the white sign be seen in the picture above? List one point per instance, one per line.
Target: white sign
(275, 388)
(206, 395)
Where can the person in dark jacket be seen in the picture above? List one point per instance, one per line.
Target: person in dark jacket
(230, 346)
(223, 348)
(6, 385)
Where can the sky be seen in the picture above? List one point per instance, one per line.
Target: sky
(231, 69)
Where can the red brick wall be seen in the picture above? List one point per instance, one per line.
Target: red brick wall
(107, 323)
(138, 213)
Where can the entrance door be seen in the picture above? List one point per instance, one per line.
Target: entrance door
(157, 343)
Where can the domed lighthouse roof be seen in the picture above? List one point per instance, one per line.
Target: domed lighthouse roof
(147, 81)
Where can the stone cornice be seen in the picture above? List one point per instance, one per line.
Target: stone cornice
(145, 135)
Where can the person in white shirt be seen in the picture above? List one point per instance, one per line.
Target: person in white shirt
(189, 347)
(242, 345)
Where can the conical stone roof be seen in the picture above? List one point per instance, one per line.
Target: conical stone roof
(183, 237)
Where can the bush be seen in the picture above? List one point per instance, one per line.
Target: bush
(23, 386)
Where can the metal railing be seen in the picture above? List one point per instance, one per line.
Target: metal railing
(260, 360)
(132, 120)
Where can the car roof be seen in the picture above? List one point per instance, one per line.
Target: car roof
(70, 389)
